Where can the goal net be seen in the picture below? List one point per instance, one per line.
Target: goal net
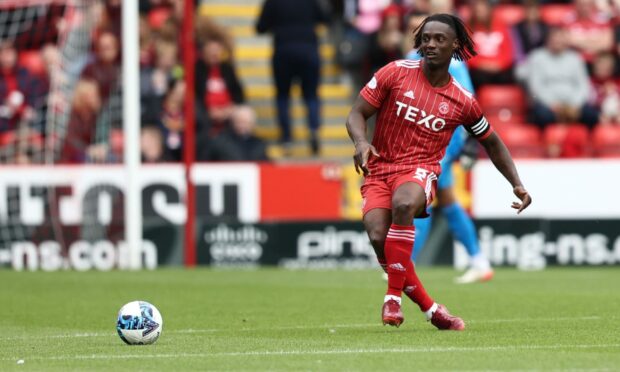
(60, 120)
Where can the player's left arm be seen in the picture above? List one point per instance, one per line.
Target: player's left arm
(480, 128)
(500, 156)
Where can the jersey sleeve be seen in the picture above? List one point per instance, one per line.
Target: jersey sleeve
(475, 123)
(378, 88)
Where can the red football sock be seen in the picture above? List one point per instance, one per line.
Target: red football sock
(415, 290)
(398, 247)
(413, 287)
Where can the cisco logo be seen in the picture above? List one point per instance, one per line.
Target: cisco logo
(235, 246)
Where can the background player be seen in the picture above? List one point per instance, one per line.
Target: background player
(418, 106)
(459, 222)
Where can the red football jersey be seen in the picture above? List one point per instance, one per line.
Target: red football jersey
(415, 120)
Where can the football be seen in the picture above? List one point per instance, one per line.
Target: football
(139, 323)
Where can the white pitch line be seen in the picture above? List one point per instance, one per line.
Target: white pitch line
(363, 325)
(519, 320)
(322, 352)
(300, 327)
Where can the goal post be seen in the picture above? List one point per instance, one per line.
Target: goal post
(131, 130)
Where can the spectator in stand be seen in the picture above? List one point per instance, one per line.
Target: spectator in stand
(53, 71)
(237, 142)
(412, 21)
(531, 32)
(494, 62)
(208, 29)
(362, 18)
(111, 17)
(385, 44)
(557, 80)
(216, 84)
(52, 60)
(167, 17)
(147, 42)
(154, 81)
(172, 121)
(20, 93)
(169, 30)
(105, 69)
(609, 7)
(152, 147)
(295, 56)
(80, 143)
(175, 6)
(425, 6)
(606, 89)
(589, 30)
(367, 15)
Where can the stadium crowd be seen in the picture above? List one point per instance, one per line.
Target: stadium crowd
(547, 75)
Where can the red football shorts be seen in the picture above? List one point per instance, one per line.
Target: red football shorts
(377, 193)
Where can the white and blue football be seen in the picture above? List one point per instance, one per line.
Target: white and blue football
(139, 323)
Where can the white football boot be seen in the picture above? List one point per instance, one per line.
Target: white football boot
(475, 275)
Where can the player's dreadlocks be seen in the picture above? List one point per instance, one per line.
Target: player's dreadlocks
(466, 48)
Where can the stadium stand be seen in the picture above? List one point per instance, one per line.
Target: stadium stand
(506, 106)
(556, 14)
(510, 14)
(253, 58)
(523, 140)
(606, 140)
(567, 140)
(503, 103)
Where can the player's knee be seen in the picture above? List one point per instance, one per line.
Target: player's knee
(403, 206)
(406, 209)
(377, 239)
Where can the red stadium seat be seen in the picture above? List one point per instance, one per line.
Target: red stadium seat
(606, 141)
(510, 14)
(523, 140)
(7, 138)
(32, 61)
(499, 126)
(506, 102)
(567, 140)
(505, 117)
(10, 138)
(158, 16)
(556, 14)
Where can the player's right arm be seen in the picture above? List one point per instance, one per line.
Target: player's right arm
(366, 105)
(356, 127)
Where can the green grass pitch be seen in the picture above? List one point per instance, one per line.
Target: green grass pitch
(557, 319)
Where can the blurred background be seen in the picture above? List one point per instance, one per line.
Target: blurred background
(240, 127)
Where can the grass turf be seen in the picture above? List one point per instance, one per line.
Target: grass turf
(558, 319)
